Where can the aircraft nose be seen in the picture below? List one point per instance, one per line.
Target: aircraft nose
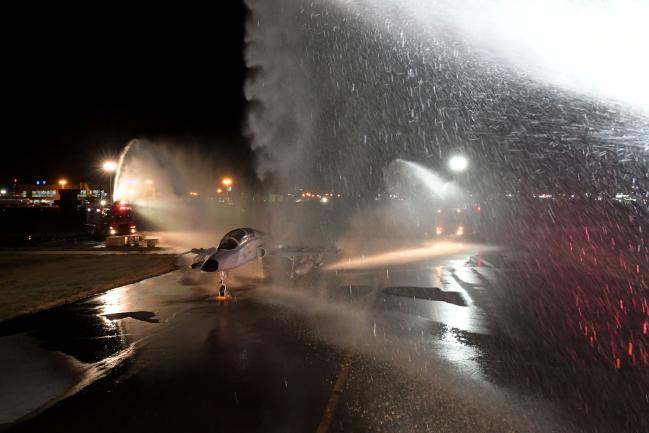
(210, 265)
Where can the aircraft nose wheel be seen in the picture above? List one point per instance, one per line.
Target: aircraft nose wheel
(224, 294)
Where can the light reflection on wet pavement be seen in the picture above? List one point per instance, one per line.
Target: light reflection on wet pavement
(432, 348)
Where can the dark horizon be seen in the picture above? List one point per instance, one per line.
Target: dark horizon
(79, 91)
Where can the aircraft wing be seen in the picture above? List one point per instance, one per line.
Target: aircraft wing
(303, 259)
(299, 252)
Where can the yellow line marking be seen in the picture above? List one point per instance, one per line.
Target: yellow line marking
(327, 416)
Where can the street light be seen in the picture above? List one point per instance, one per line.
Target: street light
(63, 182)
(110, 167)
(458, 163)
(227, 183)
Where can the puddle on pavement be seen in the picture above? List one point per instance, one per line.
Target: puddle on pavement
(427, 293)
(75, 330)
(89, 331)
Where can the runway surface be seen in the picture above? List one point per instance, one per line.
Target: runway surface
(440, 346)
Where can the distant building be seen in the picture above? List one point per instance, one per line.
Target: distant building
(46, 194)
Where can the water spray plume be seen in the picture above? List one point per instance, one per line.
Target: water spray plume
(438, 187)
(420, 253)
(159, 179)
(592, 47)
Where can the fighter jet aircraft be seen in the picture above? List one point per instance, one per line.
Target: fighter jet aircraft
(243, 245)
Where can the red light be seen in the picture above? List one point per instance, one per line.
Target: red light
(122, 208)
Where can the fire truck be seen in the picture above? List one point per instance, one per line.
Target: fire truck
(457, 222)
(118, 220)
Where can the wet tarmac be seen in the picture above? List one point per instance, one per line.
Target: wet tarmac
(438, 346)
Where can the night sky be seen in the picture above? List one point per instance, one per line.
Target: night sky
(80, 84)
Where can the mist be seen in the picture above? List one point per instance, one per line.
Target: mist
(370, 98)
(589, 47)
(174, 189)
(342, 89)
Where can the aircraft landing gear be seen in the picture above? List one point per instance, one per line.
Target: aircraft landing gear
(224, 293)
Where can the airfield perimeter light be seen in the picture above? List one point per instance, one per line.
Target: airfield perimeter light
(458, 163)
